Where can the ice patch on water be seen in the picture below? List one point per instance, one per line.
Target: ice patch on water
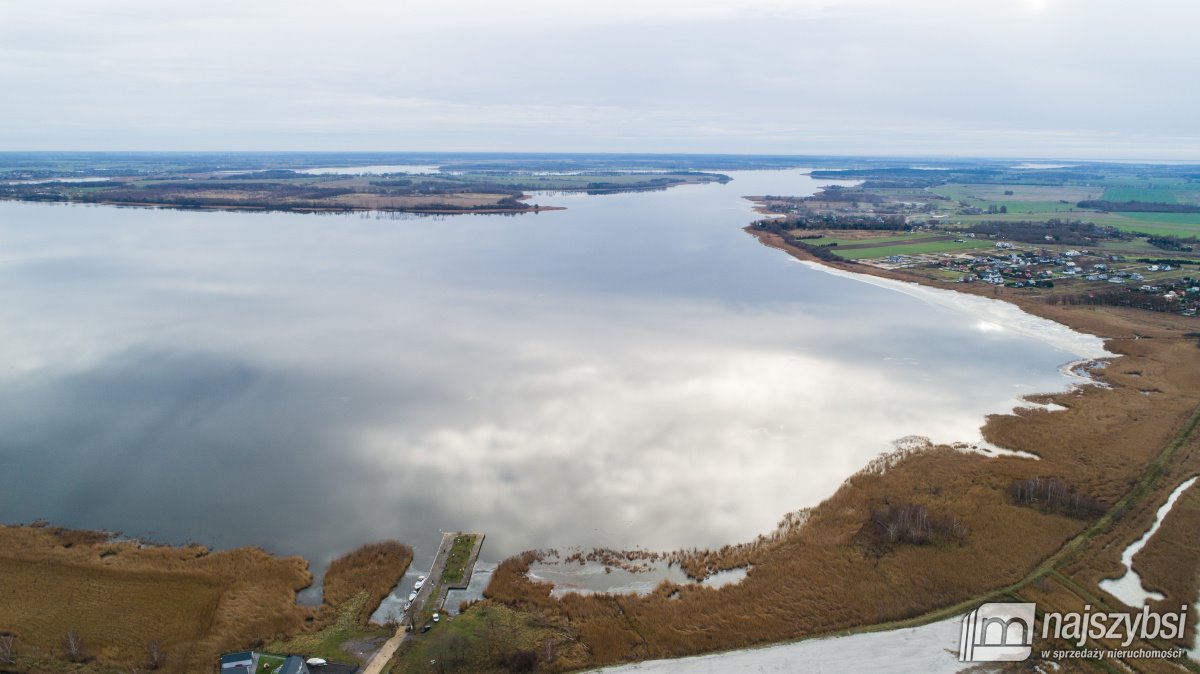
(1128, 588)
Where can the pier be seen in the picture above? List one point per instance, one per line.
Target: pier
(452, 569)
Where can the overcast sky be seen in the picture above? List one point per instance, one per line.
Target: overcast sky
(1028, 78)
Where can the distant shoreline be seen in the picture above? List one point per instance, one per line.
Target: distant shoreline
(288, 209)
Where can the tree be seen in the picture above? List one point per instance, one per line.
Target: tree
(156, 657)
(449, 651)
(73, 646)
(8, 648)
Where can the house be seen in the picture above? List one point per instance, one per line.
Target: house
(242, 662)
(249, 662)
(293, 665)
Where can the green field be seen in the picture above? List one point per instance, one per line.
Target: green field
(995, 193)
(913, 249)
(826, 240)
(1027, 207)
(1158, 196)
(1164, 224)
(1159, 224)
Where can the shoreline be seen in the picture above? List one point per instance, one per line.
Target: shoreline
(1130, 338)
(280, 209)
(1118, 443)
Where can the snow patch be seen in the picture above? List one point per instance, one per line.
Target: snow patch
(1128, 587)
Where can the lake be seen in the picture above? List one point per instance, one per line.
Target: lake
(632, 371)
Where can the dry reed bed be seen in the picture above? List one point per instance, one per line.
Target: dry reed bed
(120, 596)
(375, 568)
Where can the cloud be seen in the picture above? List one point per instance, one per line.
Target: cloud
(745, 75)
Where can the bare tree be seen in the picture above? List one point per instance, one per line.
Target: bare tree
(8, 648)
(448, 650)
(156, 657)
(73, 646)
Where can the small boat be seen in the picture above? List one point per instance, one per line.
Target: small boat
(412, 596)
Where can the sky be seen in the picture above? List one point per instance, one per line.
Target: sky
(1015, 78)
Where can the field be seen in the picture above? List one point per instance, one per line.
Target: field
(175, 608)
(845, 240)
(1038, 202)
(1183, 225)
(1020, 193)
(949, 246)
(1158, 224)
(120, 597)
(1158, 196)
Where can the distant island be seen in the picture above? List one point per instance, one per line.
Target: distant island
(218, 184)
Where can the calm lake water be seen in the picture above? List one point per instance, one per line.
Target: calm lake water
(632, 371)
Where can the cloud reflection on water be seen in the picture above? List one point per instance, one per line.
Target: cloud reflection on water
(632, 371)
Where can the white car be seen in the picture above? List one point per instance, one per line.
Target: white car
(316, 662)
(437, 617)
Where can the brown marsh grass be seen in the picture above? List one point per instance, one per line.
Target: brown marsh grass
(374, 568)
(120, 596)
